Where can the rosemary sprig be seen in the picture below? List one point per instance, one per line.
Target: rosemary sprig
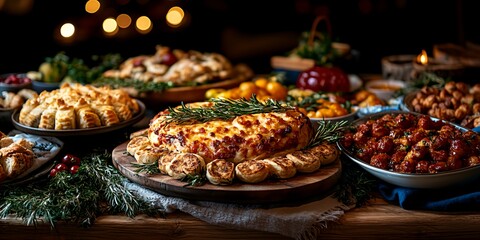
(224, 109)
(97, 188)
(194, 180)
(327, 131)
(147, 168)
(355, 185)
(138, 85)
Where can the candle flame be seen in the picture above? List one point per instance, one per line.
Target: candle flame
(422, 58)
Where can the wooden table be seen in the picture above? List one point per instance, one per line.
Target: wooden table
(378, 219)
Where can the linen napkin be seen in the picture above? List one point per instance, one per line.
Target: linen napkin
(463, 198)
(299, 221)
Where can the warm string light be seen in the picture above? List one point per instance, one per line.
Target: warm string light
(111, 25)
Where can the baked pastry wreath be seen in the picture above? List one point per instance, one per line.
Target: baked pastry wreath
(254, 141)
(76, 106)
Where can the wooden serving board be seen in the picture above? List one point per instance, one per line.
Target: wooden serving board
(299, 187)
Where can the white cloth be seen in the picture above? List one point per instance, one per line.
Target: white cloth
(301, 221)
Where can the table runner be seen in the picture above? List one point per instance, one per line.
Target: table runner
(299, 221)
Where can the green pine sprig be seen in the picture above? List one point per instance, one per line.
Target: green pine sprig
(355, 186)
(97, 188)
(147, 168)
(224, 109)
(327, 131)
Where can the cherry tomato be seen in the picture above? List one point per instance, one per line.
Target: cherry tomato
(70, 160)
(74, 169)
(60, 167)
(328, 79)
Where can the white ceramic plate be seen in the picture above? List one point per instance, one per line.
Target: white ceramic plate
(412, 180)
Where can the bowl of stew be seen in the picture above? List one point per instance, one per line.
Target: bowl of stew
(413, 150)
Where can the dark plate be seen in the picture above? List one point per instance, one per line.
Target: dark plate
(414, 180)
(77, 132)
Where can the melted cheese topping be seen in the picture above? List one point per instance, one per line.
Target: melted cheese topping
(253, 136)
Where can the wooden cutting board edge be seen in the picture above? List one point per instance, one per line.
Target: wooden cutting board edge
(301, 186)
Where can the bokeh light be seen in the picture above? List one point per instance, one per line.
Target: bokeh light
(67, 30)
(143, 24)
(109, 25)
(123, 20)
(175, 16)
(92, 6)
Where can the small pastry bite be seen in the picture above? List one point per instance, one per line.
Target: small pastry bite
(305, 161)
(148, 155)
(164, 160)
(137, 143)
(220, 172)
(86, 116)
(47, 119)
(184, 164)
(65, 116)
(15, 159)
(281, 167)
(107, 114)
(252, 171)
(327, 153)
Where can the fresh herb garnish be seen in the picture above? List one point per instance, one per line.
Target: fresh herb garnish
(140, 86)
(355, 185)
(224, 109)
(327, 131)
(194, 180)
(147, 168)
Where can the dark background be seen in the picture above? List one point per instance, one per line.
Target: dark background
(244, 31)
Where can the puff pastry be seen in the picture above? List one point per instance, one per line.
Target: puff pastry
(220, 172)
(281, 167)
(252, 171)
(78, 106)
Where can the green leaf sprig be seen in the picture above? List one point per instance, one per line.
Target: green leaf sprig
(224, 109)
(140, 86)
(97, 188)
(147, 168)
(327, 131)
(355, 186)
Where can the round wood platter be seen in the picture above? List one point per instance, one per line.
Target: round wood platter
(188, 94)
(299, 187)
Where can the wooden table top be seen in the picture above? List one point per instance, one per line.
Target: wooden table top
(378, 219)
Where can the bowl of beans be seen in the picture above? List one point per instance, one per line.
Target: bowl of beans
(413, 150)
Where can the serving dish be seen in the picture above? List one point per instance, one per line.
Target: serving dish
(45, 149)
(40, 86)
(299, 187)
(185, 94)
(348, 117)
(384, 88)
(437, 180)
(14, 87)
(78, 132)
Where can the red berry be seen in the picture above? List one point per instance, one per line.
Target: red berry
(53, 172)
(74, 169)
(70, 160)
